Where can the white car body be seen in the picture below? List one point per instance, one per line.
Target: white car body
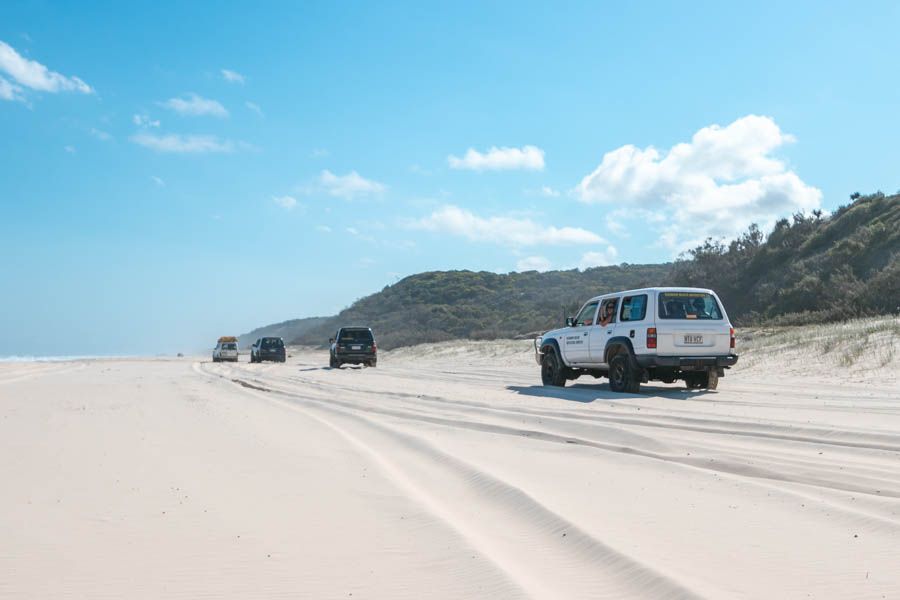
(696, 337)
(225, 351)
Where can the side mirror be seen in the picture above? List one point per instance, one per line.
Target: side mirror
(330, 340)
(570, 321)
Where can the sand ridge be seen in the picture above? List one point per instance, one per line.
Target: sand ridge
(446, 472)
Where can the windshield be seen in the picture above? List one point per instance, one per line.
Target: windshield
(688, 305)
(272, 343)
(355, 335)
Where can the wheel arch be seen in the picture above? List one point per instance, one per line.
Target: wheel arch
(552, 343)
(617, 345)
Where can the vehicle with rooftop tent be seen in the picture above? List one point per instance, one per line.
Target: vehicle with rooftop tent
(226, 349)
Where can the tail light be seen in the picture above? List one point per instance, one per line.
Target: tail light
(651, 337)
(374, 347)
(732, 337)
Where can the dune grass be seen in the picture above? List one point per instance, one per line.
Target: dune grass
(856, 345)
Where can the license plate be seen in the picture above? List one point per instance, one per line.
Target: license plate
(356, 347)
(693, 339)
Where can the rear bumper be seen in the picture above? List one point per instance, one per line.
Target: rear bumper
(686, 363)
(358, 357)
(276, 356)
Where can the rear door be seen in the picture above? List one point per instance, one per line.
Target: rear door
(576, 341)
(633, 321)
(691, 323)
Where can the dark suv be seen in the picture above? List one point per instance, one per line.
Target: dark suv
(354, 345)
(267, 348)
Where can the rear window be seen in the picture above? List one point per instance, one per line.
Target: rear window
(634, 308)
(355, 335)
(229, 346)
(688, 305)
(272, 343)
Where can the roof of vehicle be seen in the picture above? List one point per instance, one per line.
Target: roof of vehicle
(270, 337)
(227, 338)
(356, 327)
(652, 289)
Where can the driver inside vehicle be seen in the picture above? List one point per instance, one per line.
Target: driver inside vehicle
(607, 313)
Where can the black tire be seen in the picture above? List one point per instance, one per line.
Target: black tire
(703, 380)
(623, 375)
(332, 362)
(252, 359)
(553, 372)
(695, 380)
(712, 379)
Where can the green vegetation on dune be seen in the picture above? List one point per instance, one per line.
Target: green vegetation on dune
(810, 269)
(445, 305)
(288, 330)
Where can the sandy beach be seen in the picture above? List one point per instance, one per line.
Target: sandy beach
(446, 472)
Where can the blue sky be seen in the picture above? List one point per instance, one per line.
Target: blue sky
(171, 172)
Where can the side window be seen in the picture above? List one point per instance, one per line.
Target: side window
(607, 313)
(634, 308)
(586, 316)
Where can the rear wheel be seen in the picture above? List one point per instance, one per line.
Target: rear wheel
(623, 375)
(332, 362)
(712, 379)
(702, 380)
(697, 380)
(553, 372)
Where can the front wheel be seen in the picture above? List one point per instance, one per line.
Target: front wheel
(623, 376)
(553, 372)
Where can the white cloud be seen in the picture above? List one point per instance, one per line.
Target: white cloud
(497, 159)
(350, 185)
(70, 149)
(185, 144)
(600, 258)
(232, 76)
(195, 106)
(549, 192)
(533, 263)
(716, 185)
(144, 121)
(158, 181)
(100, 134)
(319, 153)
(254, 107)
(10, 91)
(502, 230)
(285, 202)
(352, 230)
(36, 76)
(323, 228)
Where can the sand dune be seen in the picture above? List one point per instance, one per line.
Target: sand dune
(447, 472)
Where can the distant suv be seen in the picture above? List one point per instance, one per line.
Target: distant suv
(267, 348)
(226, 349)
(633, 337)
(354, 345)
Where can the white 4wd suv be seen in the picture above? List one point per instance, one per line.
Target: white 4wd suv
(636, 336)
